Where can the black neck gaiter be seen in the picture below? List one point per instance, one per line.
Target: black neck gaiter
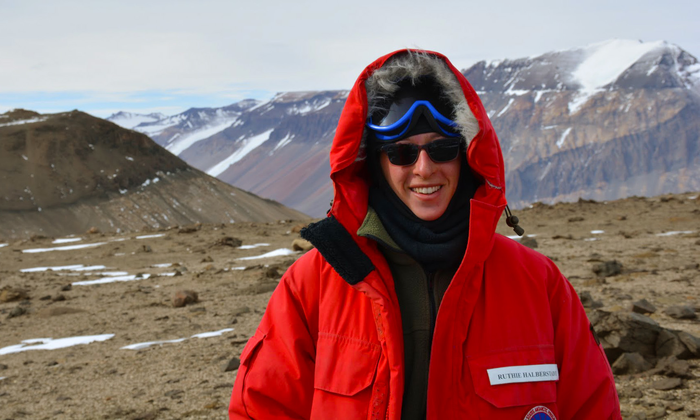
(435, 244)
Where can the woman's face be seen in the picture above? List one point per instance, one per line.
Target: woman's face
(425, 187)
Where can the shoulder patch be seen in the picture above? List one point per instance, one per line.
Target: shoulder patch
(338, 248)
(540, 412)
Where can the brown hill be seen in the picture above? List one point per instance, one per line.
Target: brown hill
(64, 173)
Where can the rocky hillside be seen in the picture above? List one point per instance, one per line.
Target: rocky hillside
(65, 173)
(609, 120)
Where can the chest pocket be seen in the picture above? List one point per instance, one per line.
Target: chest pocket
(525, 381)
(345, 365)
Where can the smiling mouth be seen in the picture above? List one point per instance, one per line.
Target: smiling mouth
(426, 190)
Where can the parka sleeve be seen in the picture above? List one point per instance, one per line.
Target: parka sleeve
(586, 386)
(276, 376)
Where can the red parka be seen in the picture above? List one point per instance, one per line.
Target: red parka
(330, 345)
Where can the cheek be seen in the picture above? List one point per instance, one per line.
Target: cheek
(392, 173)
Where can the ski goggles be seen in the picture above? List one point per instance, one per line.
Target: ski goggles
(439, 151)
(401, 119)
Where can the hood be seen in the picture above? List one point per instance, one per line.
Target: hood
(349, 171)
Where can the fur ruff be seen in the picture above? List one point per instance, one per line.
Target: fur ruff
(412, 65)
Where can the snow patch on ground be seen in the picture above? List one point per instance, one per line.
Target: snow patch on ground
(51, 344)
(66, 240)
(140, 346)
(62, 248)
(275, 253)
(151, 236)
(112, 279)
(676, 232)
(29, 121)
(252, 246)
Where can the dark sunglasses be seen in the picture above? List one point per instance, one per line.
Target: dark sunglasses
(439, 151)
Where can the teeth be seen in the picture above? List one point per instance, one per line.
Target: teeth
(426, 190)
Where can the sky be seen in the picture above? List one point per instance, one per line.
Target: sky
(146, 56)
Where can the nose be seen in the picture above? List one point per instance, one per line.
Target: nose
(424, 166)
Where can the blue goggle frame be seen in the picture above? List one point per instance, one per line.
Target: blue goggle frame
(407, 119)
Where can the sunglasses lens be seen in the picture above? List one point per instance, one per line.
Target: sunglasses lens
(443, 150)
(402, 154)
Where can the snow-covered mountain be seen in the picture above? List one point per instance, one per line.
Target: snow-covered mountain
(609, 120)
(605, 121)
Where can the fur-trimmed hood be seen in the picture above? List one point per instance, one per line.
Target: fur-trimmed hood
(379, 81)
(412, 66)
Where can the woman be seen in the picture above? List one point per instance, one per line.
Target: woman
(411, 307)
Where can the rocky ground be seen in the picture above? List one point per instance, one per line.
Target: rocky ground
(654, 242)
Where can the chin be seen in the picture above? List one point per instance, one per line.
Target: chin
(427, 214)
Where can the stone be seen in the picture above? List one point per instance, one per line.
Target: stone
(681, 312)
(298, 228)
(667, 384)
(207, 259)
(232, 365)
(47, 297)
(529, 242)
(272, 273)
(16, 311)
(93, 231)
(184, 297)
(588, 302)
(625, 332)
(67, 287)
(3, 367)
(13, 295)
(145, 249)
(656, 413)
(58, 311)
(607, 268)
(258, 288)
(229, 241)
(691, 342)
(240, 311)
(669, 344)
(576, 219)
(643, 307)
(189, 229)
(58, 298)
(672, 367)
(630, 363)
(300, 244)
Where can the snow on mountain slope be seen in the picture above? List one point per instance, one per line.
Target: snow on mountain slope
(247, 146)
(604, 63)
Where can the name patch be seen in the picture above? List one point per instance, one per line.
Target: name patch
(527, 373)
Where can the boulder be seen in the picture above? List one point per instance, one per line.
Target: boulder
(232, 365)
(588, 302)
(184, 297)
(607, 268)
(672, 367)
(229, 241)
(629, 363)
(667, 384)
(12, 295)
(301, 245)
(669, 344)
(625, 332)
(691, 342)
(643, 307)
(681, 312)
(529, 241)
